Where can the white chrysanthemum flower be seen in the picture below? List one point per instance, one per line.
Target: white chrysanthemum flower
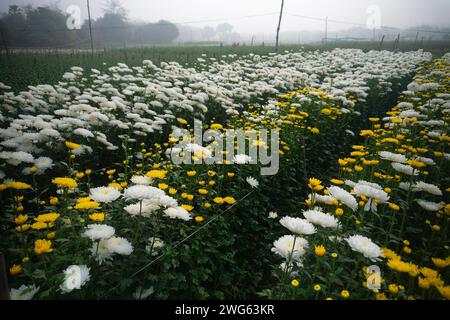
(370, 184)
(298, 226)
(154, 245)
(120, 246)
(142, 293)
(43, 163)
(427, 161)
(198, 150)
(134, 209)
(365, 246)
(252, 182)
(141, 180)
(24, 292)
(104, 194)
(349, 183)
(318, 198)
(99, 231)
(343, 196)
(167, 201)
(427, 187)
(145, 209)
(404, 168)
(49, 132)
(83, 132)
(141, 192)
(178, 213)
(373, 192)
(395, 157)
(100, 251)
(410, 114)
(75, 277)
(350, 132)
(405, 186)
(320, 218)
(17, 157)
(273, 215)
(434, 134)
(27, 171)
(241, 159)
(289, 245)
(429, 205)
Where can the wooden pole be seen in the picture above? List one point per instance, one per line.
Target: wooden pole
(3, 34)
(326, 31)
(279, 25)
(4, 289)
(417, 38)
(397, 40)
(382, 40)
(90, 27)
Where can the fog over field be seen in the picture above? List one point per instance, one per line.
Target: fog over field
(399, 13)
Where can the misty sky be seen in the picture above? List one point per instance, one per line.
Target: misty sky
(396, 13)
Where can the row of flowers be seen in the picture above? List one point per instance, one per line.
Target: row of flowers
(379, 228)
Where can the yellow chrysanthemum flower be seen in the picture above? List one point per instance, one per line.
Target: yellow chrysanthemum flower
(315, 184)
(42, 246)
(63, 182)
(86, 205)
(41, 225)
(440, 263)
(229, 200)
(156, 174)
(98, 216)
(21, 219)
(47, 217)
(187, 207)
(218, 200)
(216, 126)
(72, 145)
(320, 250)
(15, 269)
(18, 185)
(337, 182)
(23, 227)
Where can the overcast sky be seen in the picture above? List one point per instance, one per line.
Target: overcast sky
(396, 13)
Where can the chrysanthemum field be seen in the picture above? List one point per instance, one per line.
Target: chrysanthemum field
(93, 205)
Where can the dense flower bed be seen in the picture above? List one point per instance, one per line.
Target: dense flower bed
(94, 208)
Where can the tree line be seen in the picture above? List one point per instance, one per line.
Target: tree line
(46, 26)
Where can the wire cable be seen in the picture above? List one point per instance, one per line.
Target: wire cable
(364, 25)
(189, 236)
